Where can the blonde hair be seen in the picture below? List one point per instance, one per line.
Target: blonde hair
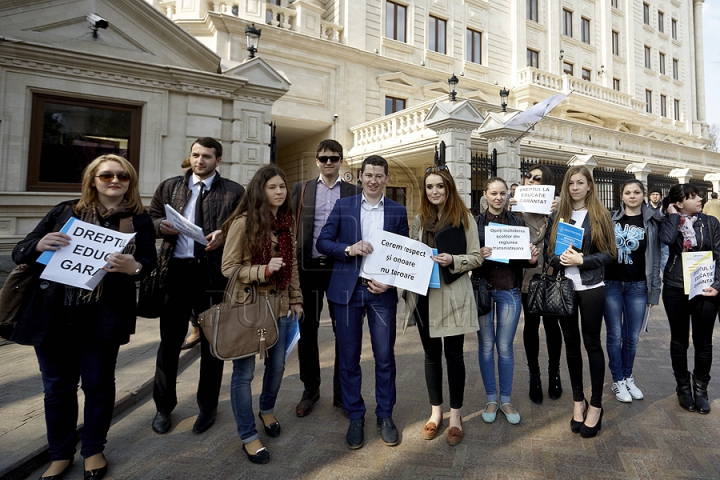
(602, 234)
(89, 194)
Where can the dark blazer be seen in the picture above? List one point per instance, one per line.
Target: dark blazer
(343, 229)
(306, 222)
(116, 305)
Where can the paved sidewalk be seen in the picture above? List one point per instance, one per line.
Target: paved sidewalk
(650, 439)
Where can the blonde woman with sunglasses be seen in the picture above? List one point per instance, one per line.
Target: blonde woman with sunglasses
(76, 333)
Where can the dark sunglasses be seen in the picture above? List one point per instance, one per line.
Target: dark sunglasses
(536, 178)
(436, 168)
(107, 177)
(332, 158)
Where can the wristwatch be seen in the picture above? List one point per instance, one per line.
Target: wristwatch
(137, 270)
(347, 251)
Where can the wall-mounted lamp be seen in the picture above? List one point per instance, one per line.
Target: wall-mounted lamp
(504, 94)
(562, 54)
(253, 39)
(453, 81)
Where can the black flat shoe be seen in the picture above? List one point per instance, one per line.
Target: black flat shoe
(204, 421)
(590, 432)
(261, 457)
(98, 473)
(188, 346)
(272, 430)
(575, 426)
(60, 475)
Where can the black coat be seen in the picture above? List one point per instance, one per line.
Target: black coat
(116, 305)
(708, 239)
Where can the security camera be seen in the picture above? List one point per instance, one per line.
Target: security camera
(335, 116)
(96, 20)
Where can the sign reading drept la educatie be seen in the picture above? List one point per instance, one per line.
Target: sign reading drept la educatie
(398, 261)
(534, 198)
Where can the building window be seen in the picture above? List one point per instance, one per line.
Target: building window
(395, 19)
(436, 35)
(661, 59)
(676, 69)
(532, 58)
(614, 3)
(586, 74)
(473, 46)
(673, 26)
(567, 22)
(616, 84)
(661, 21)
(616, 43)
(648, 60)
(646, 14)
(394, 104)
(585, 30)
(66, 134)
(676, 109)
(568, 68)
(396, 194)
(648, 101)
(532, 10)
(663, 105)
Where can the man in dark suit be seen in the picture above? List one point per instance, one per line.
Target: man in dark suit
(345, 238)
(318, 199)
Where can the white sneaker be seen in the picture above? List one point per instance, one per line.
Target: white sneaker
(632, 389)
(621, 392)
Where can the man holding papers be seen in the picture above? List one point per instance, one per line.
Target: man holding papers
(686, 230)
(193, 281)
(344, 237)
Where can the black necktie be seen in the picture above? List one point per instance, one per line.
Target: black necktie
(199, 249)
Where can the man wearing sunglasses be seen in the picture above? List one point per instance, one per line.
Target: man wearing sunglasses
(193, 281)
(318, 197)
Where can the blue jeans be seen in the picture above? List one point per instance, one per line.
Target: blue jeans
(507, 304)
(625, 304)
(242, 376)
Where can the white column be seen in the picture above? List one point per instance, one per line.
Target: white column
(641, 171)
(682, 174)
(587, 161)
(699, 65)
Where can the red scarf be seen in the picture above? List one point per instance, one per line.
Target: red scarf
(281, 225)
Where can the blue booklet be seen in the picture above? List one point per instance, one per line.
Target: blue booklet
(435, 274)
(293, 336)
(45, 257)
(568, 235)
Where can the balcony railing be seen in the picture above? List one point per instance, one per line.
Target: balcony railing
(392, 128)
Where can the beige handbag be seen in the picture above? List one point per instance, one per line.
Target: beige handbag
(241, 329)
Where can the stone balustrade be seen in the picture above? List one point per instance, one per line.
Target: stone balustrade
(330, 31)
(392, 127)
(280, 16)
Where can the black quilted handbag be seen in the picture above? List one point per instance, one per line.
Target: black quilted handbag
(483, 299)
(551, 294)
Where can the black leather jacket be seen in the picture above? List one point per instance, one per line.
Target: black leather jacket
(592, 271)
(707, 232)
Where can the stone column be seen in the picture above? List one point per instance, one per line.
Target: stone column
(641, 171)
(308, 17)
(454, 123)
(587, 161)
(699, 68)
(682, 174)
(504, 140)
(715, 179)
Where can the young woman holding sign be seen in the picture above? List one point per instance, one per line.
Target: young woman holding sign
(444, 315)
(687, 229)
(632, 284)
(498, 327)
(77, 333)
(585, 265)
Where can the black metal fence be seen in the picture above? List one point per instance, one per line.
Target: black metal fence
(705, 188)
(558, 169)
(663, 182)
(482, 168)
(608, 184)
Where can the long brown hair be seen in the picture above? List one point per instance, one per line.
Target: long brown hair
(602, 234)
(89, 194)
(254, 204)
(455, 210)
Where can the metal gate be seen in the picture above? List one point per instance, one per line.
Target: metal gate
(663, 182)
(558, 169)
(704, 187)
(608, 185)
(482, 167)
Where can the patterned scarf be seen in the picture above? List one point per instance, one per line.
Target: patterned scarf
(688, 232)
(281, 226)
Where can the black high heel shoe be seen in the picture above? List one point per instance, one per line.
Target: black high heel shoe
(590, 432)
(575, 426)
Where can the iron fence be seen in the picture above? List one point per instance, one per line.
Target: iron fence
(704, 187)
(608, 186)
(482, 168)
(663, 182)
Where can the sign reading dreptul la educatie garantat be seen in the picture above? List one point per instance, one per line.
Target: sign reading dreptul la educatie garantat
(80, 263)
(398, 261)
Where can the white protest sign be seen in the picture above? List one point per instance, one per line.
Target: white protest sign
(185, 226)
(534, 198)
(508, 242)
(398, 261)
(80, 263)
(701, 273)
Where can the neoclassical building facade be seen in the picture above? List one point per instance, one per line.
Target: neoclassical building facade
(374, 75)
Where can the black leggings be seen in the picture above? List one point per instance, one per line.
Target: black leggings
(681, 312)
(591, 305)
(531, 339)
(433, 361)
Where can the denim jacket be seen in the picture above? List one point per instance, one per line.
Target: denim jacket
(592, 271)
(669, 235)
(652, 251)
